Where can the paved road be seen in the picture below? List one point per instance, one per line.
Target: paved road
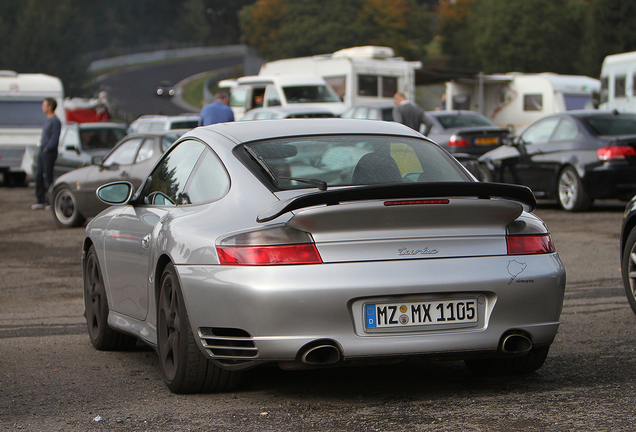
(51, 379)
(133, 89)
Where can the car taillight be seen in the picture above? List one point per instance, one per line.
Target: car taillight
(457, 141)
(530, 244)
(615, 153)
(273, 246)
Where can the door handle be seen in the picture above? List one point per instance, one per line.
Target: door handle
(123, 174)
(145, 242)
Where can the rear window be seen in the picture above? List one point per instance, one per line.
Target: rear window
(184, 124)
(463, 120)
(352, 160)
(612, 124)
(309, 94)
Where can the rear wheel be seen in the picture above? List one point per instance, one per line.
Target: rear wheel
(524, 364)
(185, 368)
(96, 309)
(65, 210)
(628, 269)
(572, 195)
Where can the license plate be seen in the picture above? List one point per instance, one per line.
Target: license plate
(456, 312)
(486, 140)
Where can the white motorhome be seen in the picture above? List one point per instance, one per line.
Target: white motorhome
(367, 75)
(618, 82)
(515, 100)
(281, 90)
(21, 119)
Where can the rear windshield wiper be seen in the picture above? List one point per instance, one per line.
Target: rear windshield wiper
(320, 184)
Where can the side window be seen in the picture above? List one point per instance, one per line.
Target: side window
(209, 181)
(565, 131)
(533, 102)
(619, 86)
(146, 151)
(272, 97)
(338, 84)
(168, 179)
(368, 85)
(124, 154)
(389, 86)
(540, 132)
(70, 139)
(360, 113)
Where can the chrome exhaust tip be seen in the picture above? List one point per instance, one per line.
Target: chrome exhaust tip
(516, 344)
(321, 355)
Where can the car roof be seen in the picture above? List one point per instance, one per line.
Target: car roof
(282, 128)
(97, 125)
(439, 113)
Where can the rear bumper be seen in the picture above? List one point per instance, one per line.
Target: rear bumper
(611, 180)
(269, 314)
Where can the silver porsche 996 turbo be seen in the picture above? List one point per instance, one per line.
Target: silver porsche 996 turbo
(318, 242)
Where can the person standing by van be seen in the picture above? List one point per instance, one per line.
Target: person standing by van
(47, 154)
(218, 111)
(409, 113)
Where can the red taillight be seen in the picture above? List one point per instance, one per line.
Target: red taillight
(457, 141)
(412, 202)
(530, 244)
(615, 153)
(269, 255)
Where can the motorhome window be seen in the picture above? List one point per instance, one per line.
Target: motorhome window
(367, 85)
(237, 97)
(389, 86)
(338, 84)
(619, 86)
(271, 96)
(604, 89)
(533, 102)
(309, 94)
(574, 102)
(16, 113)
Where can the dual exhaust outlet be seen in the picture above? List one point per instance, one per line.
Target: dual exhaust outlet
(326, 353)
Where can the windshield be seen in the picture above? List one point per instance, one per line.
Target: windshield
(309, 94)
(612, 124)
(354, 160)
(463, 120)
(21, 113)
(101, 138)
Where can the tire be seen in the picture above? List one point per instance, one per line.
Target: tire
(484, 174)
(185, 368)
(96, 310)
(628, 269)
(65, 210)
(571, 193)
(524, 364)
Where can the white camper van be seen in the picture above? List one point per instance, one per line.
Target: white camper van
(21, 120)
(515, 100)
(366, 75)
(310, 91)
(618, 82)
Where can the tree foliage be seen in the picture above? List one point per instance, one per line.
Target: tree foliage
(293, 28)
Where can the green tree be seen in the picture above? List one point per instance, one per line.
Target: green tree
(46, 36)
(294, 28)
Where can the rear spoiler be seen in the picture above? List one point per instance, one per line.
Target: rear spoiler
(521, 194)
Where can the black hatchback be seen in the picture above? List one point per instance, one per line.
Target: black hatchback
(574, 157)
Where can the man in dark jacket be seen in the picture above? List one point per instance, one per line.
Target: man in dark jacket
(409, 113)
(47, 154)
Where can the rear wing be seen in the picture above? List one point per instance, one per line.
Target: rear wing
(521, 194)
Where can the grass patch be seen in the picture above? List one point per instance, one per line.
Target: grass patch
(192, 92)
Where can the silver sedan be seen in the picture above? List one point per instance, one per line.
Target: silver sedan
(316, 243)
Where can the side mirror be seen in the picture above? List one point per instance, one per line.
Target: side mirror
(115, 193)
(509, 141)
(72, 147)
(97, 160)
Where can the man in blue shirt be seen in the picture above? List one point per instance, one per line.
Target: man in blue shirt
(47, 154)
(218, 111)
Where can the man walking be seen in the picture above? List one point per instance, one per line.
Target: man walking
(218, 111)
(409, 113)
(47, 154)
